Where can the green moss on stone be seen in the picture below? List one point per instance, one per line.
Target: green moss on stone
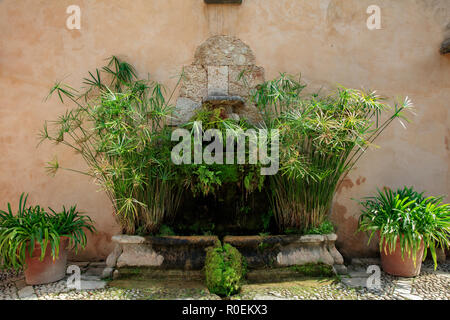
(225, 269)
(314, 270)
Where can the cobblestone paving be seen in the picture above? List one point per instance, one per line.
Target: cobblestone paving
(429, 285)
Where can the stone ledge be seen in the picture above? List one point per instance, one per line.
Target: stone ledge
(188, 252)
(287, 250)
(125, 239)
(252, 241)
(166, 252)
(202, 241)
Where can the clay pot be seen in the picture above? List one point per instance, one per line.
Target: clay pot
(47, 270)
(393, 263)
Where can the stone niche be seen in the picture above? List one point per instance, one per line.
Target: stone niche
(222, 75)
(189, 252)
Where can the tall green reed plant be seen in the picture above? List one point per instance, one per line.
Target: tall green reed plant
(321, 139)
(117, 125)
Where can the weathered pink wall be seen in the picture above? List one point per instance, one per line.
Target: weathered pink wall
(326, 40)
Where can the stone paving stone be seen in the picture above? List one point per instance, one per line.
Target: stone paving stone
(25, 292)
(20, 284)
(90, 277)
(428, 285)
(358, 274)
(355, 282)
(92, 285)
(267, 297)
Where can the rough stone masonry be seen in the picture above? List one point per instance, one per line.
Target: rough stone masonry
(223, 66)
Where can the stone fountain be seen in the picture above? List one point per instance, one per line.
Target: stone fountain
(216, 80)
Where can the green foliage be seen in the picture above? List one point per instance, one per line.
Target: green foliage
(321, 139)
(266, 217)
(119, 127)
(225, 269)
(197, 227)
(208, 179)
(32, 225)
(314, 270)
(325, 227)
(262, 246)
(119, 131)
(409, 217)
(166, 230)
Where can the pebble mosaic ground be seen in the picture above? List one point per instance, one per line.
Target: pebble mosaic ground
(429, 285)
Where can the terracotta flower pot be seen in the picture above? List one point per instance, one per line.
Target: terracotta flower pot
(47, 270)
(393, 263)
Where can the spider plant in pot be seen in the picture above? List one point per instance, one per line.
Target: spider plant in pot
(39, 241)
(408, 225)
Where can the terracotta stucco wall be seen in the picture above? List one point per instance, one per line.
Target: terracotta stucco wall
(326, 40)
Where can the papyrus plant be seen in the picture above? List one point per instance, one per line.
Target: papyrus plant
(117, 125)
(409, 217)
(321, 139)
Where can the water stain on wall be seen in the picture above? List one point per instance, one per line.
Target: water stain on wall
(347, 183)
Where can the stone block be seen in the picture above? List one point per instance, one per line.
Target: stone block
(244, 78)
(125, 239)
(26, 292)
(307, 252)
(217, 81)
(184, 110)
(107, 272)
(111, 260)
(224, 51)
(194, 83)
(338, 259)
(92, 285)
(137, 255)
(251, 113)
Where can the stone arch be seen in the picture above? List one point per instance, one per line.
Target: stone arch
(224, 51)
(218, 63)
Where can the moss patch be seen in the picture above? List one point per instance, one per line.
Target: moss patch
(314, 270)
(225, 269)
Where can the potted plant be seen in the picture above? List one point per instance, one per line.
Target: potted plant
(408, 224)
(39, 241)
